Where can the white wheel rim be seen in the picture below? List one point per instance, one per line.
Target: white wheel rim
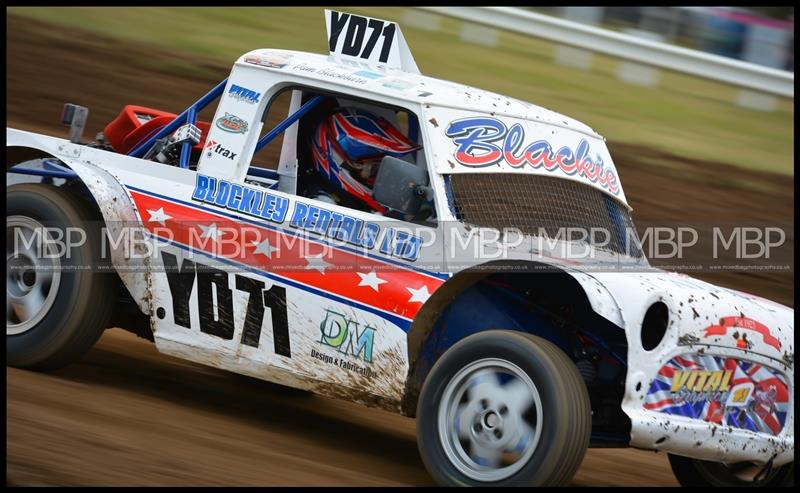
(33, 274)
(489, 420)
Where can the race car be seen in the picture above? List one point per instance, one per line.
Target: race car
(402, 251)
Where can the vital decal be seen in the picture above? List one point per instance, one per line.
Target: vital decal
(231, 123)
(721, 390)
(217, 318)
(484, 141)
(701, 380)
(244, 94)
(738, 325)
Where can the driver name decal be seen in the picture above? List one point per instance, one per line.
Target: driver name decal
(484, 141)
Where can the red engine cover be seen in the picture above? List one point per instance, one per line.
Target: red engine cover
(135, 123)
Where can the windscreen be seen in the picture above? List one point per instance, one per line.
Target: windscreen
(542, 205)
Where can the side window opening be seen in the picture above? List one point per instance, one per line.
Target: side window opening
(340, 146)
(269, 156)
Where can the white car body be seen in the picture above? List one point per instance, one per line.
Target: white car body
(385, 312)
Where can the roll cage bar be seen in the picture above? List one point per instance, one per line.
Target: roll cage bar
(189, 116)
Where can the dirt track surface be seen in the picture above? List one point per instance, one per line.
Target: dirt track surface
(127, 415)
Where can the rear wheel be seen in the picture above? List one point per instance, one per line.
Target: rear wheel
(57, 304)
(503, 408)
(696, 472)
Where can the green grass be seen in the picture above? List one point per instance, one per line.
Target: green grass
(684, 115)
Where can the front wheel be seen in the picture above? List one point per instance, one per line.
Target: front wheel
(696, 472)
(503, 408)
(57, 305)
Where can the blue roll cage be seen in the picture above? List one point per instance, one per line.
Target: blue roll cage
(189, 116)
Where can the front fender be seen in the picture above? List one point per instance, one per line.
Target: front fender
(710, 329)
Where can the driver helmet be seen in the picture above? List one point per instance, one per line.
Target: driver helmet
(347, 148)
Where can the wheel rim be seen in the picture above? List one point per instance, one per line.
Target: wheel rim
(489, 419)
(33, 274)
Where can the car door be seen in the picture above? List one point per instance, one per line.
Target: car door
(283, 287)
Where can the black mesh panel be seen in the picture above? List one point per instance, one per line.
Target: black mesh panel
(530, 202)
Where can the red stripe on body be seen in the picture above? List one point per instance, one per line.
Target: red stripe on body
(662, 403)
(340, 278)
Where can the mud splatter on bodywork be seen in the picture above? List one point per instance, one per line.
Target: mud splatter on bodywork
(688, 340)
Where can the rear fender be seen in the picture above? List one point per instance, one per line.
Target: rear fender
(113, 202)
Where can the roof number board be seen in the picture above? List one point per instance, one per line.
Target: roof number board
(368, 40)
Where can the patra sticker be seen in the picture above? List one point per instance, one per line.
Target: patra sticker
(232, 123)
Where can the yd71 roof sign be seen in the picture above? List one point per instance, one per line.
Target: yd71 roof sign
(368, 40)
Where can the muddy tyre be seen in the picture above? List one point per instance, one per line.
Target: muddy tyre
(56, 307)
(503, 408)
(703, 473)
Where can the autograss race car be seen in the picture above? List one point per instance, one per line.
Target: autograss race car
(362, 265)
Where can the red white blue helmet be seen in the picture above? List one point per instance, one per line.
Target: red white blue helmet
(347, 147)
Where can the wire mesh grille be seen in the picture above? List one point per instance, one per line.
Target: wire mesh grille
(541, 205)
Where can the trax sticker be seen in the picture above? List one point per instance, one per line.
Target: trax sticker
(271, 60)
(244, 94)
(231, 123)
(215, 302)
(213, 147)
(251, 201)
(722, 390)
(484, 141)
(739, 325)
